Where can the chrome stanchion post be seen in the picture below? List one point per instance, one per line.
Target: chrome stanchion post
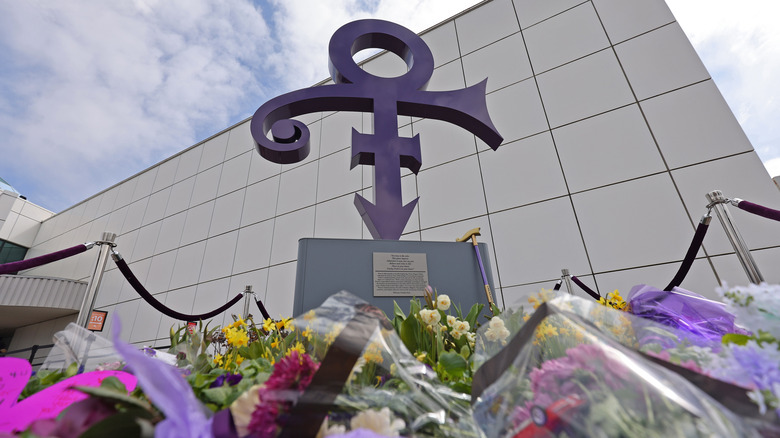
(249, 297)
(718, 202)
(97, 275)
(567, 279)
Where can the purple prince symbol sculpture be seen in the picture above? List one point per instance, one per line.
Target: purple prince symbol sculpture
(357, 90)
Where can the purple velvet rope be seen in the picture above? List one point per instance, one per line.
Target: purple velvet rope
(122, 265)
(262, 309)
(21, 265)
(759, 210)
(588, 290)
(690, 256)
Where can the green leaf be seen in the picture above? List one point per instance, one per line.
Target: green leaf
(465, 351)
(110, 394)
(72, 370)
(397, 311)
(408, 333)
(255, 350)
(733, 338)
(217, 395)
(113, 384)
(453, 363)
(414, 308)
(461, 387)
(471, 318)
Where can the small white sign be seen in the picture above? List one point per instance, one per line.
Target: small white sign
(400, 274)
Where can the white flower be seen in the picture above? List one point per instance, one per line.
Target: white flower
(503, 333)
(443, 302)
(496, 323)
(471, 337)
(451, 320)
(377, 421)
(456, 334)
(461, 326)
(325, 430)
(242, 409)
(430, 317)
(498, 333)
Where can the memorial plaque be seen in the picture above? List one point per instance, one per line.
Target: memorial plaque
(400, 274)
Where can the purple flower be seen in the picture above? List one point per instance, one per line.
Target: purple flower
(231, 379)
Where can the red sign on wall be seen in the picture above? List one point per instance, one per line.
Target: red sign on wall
(96, 320)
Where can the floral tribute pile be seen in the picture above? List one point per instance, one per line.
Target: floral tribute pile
(652, 363)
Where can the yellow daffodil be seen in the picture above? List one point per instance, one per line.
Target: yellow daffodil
(297, 347)
(218, 359)
(310, 315)
(238, 323)
(308, 333)
(237, 338)
(269, 325)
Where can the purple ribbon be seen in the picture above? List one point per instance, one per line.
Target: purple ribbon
(686, 311)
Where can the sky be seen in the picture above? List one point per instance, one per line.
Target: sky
(93, 92)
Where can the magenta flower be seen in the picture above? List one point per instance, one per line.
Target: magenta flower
(291, 375)
(294, 371)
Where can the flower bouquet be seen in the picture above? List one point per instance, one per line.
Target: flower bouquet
(571, 370)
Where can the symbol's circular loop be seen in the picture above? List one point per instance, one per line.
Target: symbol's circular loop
(365, 34)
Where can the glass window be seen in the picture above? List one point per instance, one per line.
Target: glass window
(11, 252)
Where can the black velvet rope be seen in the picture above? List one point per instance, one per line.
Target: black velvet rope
(759, 210)
(162, 308)
(690, 256)
(557, 286)
(21, 265)
(584, 287)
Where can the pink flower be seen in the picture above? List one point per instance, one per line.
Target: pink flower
(291, 375)
(294, 371)
(263, 422)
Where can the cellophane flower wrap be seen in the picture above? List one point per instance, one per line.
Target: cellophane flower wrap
(573, 370)
(684, 310)
(384, 389)
(756, 306)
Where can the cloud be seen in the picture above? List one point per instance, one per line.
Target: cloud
(739, 42)
(94, 92)
(101, 90)
(303, 28)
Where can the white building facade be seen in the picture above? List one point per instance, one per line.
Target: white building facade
(613, 133)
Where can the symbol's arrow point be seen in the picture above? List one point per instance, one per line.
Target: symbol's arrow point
(384, 221)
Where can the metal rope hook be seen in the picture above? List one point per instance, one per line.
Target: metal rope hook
(718, 202)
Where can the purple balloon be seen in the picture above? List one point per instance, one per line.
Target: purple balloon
(387, 98)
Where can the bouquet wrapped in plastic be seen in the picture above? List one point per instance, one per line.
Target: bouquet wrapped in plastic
(351, 372)
(573, 369)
